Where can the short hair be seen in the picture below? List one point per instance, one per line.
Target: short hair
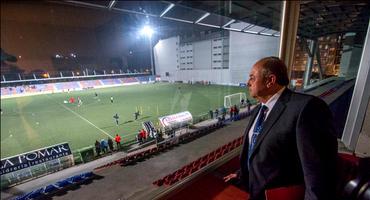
(274, 65)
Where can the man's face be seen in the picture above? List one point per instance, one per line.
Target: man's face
(256, 84)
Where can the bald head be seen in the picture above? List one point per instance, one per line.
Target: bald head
(275, 66)
(268, 76)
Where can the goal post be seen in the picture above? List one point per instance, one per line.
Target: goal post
(234, 99)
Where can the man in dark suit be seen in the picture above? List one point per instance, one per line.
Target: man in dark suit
(290, 139)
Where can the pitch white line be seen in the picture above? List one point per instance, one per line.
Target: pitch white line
(78, 115)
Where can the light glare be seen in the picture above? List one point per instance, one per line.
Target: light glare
(147, 30)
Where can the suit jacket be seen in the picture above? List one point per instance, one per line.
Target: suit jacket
(297, 145)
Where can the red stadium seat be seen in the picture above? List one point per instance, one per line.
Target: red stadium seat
(283, 193)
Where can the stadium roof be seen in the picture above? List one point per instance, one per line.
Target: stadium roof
(317, 18)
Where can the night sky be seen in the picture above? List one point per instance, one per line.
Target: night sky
(36, 32)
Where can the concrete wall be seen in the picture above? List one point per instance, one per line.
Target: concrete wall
(202, 54)
(219, 76)
(166, 57)
(246, 49)
(233, 68)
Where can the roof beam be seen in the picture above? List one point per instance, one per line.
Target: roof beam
(111, 4)
(228, 23)
(169, 7)
(202, 17)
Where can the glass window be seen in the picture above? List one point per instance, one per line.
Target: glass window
(86, 69)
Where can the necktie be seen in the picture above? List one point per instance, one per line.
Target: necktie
(257, 130)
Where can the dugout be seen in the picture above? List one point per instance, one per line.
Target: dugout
(176, 123)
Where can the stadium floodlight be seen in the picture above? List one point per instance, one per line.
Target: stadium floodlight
(147, 30)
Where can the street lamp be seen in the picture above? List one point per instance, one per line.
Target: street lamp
(148, 32)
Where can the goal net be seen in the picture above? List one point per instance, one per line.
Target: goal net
(234, 99)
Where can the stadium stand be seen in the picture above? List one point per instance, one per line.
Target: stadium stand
(74, 85)
(111, 81)
(90, 84)
(161, 146)
(146, 78)
(129, 80)
(19, 89)
(59, 186)
(211, 186)
(198, 164)
(67, 86)
(5, 91)
(43, 88)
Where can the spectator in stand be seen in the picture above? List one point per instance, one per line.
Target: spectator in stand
(97, 147)
(110, 144)
(216, 113)
(118, 141)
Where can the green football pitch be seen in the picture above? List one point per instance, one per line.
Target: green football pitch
(33, 122)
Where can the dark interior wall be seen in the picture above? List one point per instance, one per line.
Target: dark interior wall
(340, 108)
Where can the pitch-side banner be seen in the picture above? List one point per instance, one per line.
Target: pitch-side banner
(176, 120)
(35, 157)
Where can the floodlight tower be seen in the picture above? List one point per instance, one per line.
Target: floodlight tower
(148, 32)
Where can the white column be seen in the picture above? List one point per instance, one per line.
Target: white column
(360, 99)
(288, 32)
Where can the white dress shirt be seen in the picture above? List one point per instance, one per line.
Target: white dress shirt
(270, 104)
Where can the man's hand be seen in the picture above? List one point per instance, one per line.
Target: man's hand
(230, 177)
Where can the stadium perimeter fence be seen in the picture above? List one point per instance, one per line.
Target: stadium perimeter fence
(34, 164)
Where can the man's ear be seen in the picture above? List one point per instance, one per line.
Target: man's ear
(271, 80)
